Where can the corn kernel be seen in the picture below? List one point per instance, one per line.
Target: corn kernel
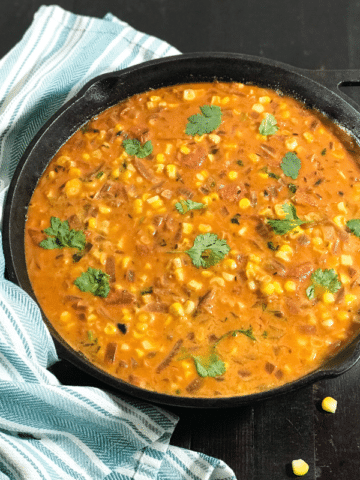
(343, 315)
(233, 175)
(309, 137)
(230, 264)
(255, 258)
(204, 228)
(328, 323)
(214, 138)
(179, 274)
(258, 107)
(265, 99)
(141, 327)
(328, 298)
(350, 298)
(218, 280)
(184, 149)
(268, 288)
(244, 203)
(291, 143)
(189, 307)
(252, 285)
(263, 175)
(177, 309)
(65, 316)
(73, 187)
(290, 286)
(329, 404)
(104, 209)
(189, 94)
(171, 171)
(278, 288)
(125, 261)
(346, 260)
(253, 157)
(194, 285)
(92, 222)
(228, 276)
(110, 329)
(339, 220)
(299, 467)
(155, 202)
(207, 274)
(341, 207)
(187, 228)
(160, 158)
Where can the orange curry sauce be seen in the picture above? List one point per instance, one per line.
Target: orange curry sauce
(269, 300)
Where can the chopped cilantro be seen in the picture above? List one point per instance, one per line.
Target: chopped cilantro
(99, 175)
(354, 226)
(235, 219)
(147, 291)
(323, 152)
(94, 281)
(209, 366)
(290, 165)
(185, 205)
(273, 247)
(208, 250)
(133, 147)
(325, 279)
(60, 236)
(292, 187)
(240, 163)
(268, 126)
(290, 221)
(273, 175)
(205, 122)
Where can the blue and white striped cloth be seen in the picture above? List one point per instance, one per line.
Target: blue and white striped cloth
(49, 431)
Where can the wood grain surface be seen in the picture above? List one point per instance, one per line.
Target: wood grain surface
(258, 441)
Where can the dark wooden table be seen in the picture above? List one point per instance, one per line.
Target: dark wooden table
(258, 441)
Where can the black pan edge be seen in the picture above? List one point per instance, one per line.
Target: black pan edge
(107, 90)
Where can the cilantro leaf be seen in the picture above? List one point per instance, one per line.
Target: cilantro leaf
(291, 165)
(94, 281)
(209, 366)
(354, 226)
(208, 250)
(133, 147)
(290, 221)
(205, 122)
(326, 279)
(185, 205)
(268, 126)
(60, 236)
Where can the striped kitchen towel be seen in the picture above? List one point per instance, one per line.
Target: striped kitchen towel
(49, 431)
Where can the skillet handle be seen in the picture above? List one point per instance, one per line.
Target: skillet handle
(333, 79)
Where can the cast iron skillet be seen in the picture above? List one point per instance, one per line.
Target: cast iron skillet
(317, 90)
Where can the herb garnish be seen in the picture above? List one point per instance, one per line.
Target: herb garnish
(354, 226)
(291, 165)
(325, 279)
(60, 236)
(240, 163)
(133, 147)
(185, 205)
(147, 291)
(99, 175)
(268, 126)
(211, 365)
(273, 247)
(208, 250)
(205, 122)
(94, 281)
(290, 221)
(292, 187)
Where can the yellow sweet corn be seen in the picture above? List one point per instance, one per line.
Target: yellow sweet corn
(329, 404)
(299, 467)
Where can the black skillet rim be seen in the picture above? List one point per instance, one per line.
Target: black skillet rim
(189, 67)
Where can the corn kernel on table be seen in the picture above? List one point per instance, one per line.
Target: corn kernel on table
(261, 441)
